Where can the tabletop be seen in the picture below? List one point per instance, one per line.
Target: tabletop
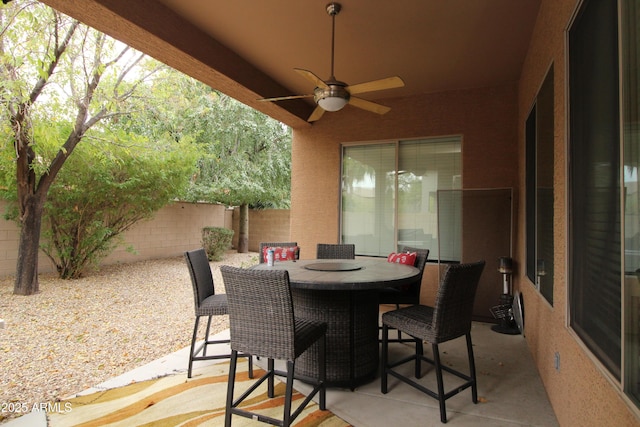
(344, 274)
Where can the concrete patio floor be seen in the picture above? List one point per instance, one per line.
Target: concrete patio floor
(509, 388)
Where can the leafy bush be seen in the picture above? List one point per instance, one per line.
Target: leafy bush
(103, 190)
(216, 241)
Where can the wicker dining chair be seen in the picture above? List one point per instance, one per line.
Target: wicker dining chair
(449, 318)
(336, 251)
(262, 323)
(274, 245)
(208, 304)
(409, 294)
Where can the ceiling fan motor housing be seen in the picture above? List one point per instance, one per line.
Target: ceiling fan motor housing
(332, 98)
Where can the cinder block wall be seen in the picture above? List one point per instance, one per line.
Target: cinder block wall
(174, 229)
(265, 225)
(9, 238)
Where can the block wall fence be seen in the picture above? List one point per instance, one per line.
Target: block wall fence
(174, 229)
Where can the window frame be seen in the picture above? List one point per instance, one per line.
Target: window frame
(397, 143)
(582, 264)
(539, 188)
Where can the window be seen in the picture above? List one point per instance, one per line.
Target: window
(631, 203)
(389, 192)
(604, 155)
(539, 129)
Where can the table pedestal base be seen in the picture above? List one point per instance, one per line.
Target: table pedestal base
(352, 334)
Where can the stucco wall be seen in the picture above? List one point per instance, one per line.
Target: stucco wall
(581, 392)
(485, 118)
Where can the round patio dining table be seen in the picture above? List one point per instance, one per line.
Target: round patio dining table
(344, 294)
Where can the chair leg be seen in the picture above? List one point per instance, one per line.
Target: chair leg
(419, 356)
(193, 345)
(250, 361)
(441, 397)
(234, 406)
(322, 370)
(270, 369)
(230, 384)
(206, 337)
(286, 419)
(472, 369)
(399, 332)
(383, 359)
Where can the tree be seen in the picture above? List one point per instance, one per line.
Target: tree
(247, 160)
(249, 163)
(53, 68)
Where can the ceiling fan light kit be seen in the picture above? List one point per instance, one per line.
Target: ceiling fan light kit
(332, 99)
(332, 95)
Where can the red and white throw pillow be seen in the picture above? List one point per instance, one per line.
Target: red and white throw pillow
(408, 258)
(287, 253)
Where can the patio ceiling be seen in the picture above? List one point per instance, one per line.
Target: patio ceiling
(248, 49)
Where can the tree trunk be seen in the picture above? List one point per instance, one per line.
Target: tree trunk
(243, 229)
(26, 282)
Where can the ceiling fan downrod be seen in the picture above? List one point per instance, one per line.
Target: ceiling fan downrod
(332, 10)
(334, 95)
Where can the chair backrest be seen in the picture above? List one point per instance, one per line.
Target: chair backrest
(336, 251)
(201, 277)
(274, 245)
(261, 319)
(453, 307)
(421, 261)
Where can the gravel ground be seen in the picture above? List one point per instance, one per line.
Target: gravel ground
(75, 334)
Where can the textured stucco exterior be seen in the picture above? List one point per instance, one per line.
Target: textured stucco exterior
(581, 391)
(485, 118)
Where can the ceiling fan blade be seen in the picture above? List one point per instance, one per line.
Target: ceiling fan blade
(312, 78)
(388, 83)
(283, 98)
(368, 105)
(317, 113)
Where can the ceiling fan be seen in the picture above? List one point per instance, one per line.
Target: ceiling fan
(332, 94)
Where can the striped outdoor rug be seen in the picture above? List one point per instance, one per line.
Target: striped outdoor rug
(175, 400)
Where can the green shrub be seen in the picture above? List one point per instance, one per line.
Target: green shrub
(102, 191)
(216, 241)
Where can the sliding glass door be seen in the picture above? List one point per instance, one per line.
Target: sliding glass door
(389, 192)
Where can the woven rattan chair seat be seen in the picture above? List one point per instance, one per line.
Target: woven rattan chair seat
(214, 305)
(415, 321)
